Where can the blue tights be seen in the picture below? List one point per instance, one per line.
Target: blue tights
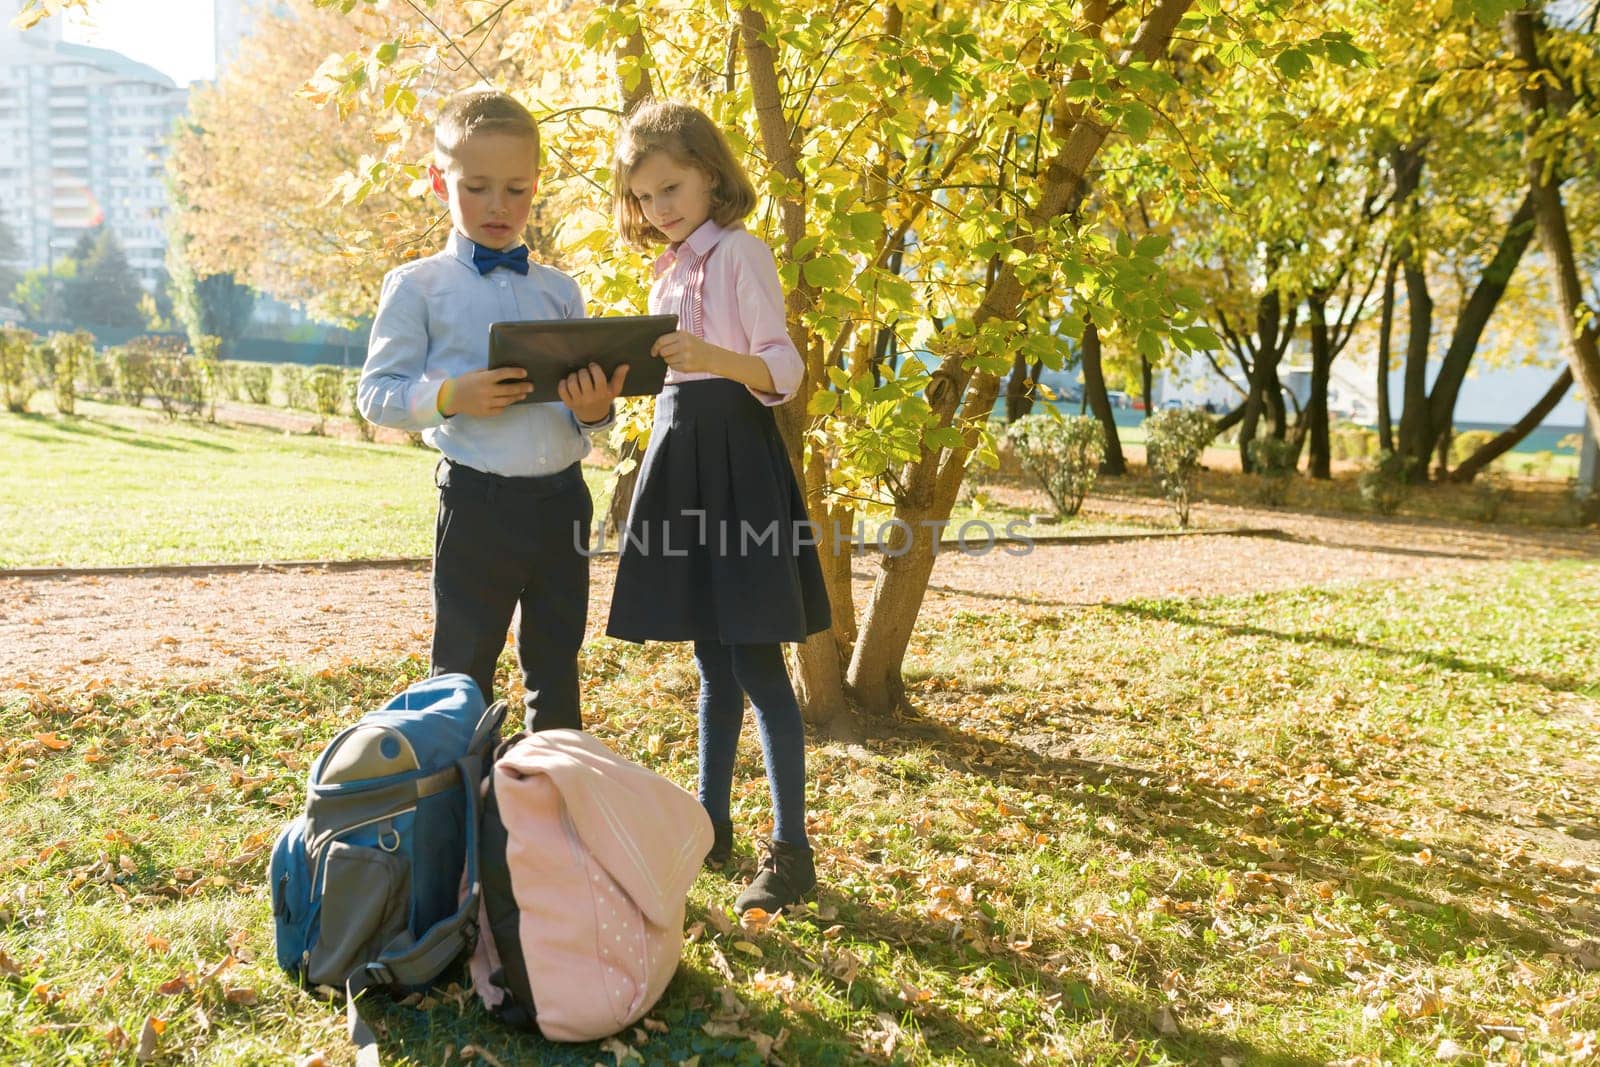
(727, 673)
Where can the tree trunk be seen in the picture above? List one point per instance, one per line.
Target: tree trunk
(1274, 330)
(1583, 336)
(933, 480)
(1385, 339)
(616, 518)
(1147, 383)
(818, 661)
(1230, 420)
(1094, 391)
(1315, 415)
(1471, 321)
(1509, 438)
(1415, 433)
(633, 47)
(1018, 400)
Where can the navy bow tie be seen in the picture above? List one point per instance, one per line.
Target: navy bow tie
(487, 259)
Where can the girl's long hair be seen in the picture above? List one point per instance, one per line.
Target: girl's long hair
(690, 138)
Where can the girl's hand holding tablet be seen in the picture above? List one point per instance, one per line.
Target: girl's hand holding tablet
(686, 353)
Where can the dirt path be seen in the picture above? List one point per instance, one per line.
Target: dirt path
(71, 630)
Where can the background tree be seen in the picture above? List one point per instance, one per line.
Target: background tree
(213, 306)
(1561, 138)
(38, 295)
(104, 291)
(254, 166)
(10, 252)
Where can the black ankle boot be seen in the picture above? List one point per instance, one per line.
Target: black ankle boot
(787, 876)
(721, 846)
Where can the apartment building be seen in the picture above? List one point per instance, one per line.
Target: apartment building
(85, 130)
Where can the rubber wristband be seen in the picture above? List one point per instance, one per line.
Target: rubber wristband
(442, 401)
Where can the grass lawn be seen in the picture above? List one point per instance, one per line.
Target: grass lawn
(123, 486)
(118, 485)
(1353, 825)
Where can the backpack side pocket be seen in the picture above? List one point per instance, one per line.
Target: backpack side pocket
(366, 900)
(289, 877)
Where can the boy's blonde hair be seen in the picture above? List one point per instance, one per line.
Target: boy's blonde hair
(468, 114)
(691, 139)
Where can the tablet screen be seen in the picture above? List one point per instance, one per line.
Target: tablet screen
(551, 349)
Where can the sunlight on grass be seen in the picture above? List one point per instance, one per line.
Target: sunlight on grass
(1338, 825)
(127, 487)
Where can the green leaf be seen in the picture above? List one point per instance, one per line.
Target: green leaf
(825, 272)
(1292, 62)
(1152, 245)
(822, 402)
(865, 225)
(1137, 120)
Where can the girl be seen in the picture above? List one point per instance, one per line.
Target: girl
(718, 549)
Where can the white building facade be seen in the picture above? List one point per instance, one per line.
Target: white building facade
(86, 132)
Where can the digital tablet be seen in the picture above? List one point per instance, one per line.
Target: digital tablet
(551, 349)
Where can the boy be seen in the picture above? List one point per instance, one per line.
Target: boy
(511, 494)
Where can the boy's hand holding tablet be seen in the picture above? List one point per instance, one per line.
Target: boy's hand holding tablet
(584, 363)
(588, 393)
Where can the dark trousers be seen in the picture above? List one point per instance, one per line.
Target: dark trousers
(501, 543)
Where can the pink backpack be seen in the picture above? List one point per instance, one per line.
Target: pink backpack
(586, 861)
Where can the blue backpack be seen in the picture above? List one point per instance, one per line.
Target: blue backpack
(367, 884)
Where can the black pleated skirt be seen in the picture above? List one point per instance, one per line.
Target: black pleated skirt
(718, 545)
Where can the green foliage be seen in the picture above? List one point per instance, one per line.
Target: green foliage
(1464, 444)
(214, 305)
(255, 381)
(131, 371)
(1175, 439)
(178, 379)
(1386, 483)
(16, 383)
(104, 291)
(208, 360)
(72, 355)
(327, 387)
(10, 252)
(38, 294)
(352, 381)
(1062, 452)
(1352, 442)
(1274, 460)
(292, 380)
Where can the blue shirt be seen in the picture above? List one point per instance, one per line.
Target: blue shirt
(432, 325)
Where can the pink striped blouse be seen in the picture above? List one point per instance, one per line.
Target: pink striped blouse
(722, 283)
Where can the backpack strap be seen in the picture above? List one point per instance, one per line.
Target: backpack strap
(413, 963)
(356, 1026)
(407, 962)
